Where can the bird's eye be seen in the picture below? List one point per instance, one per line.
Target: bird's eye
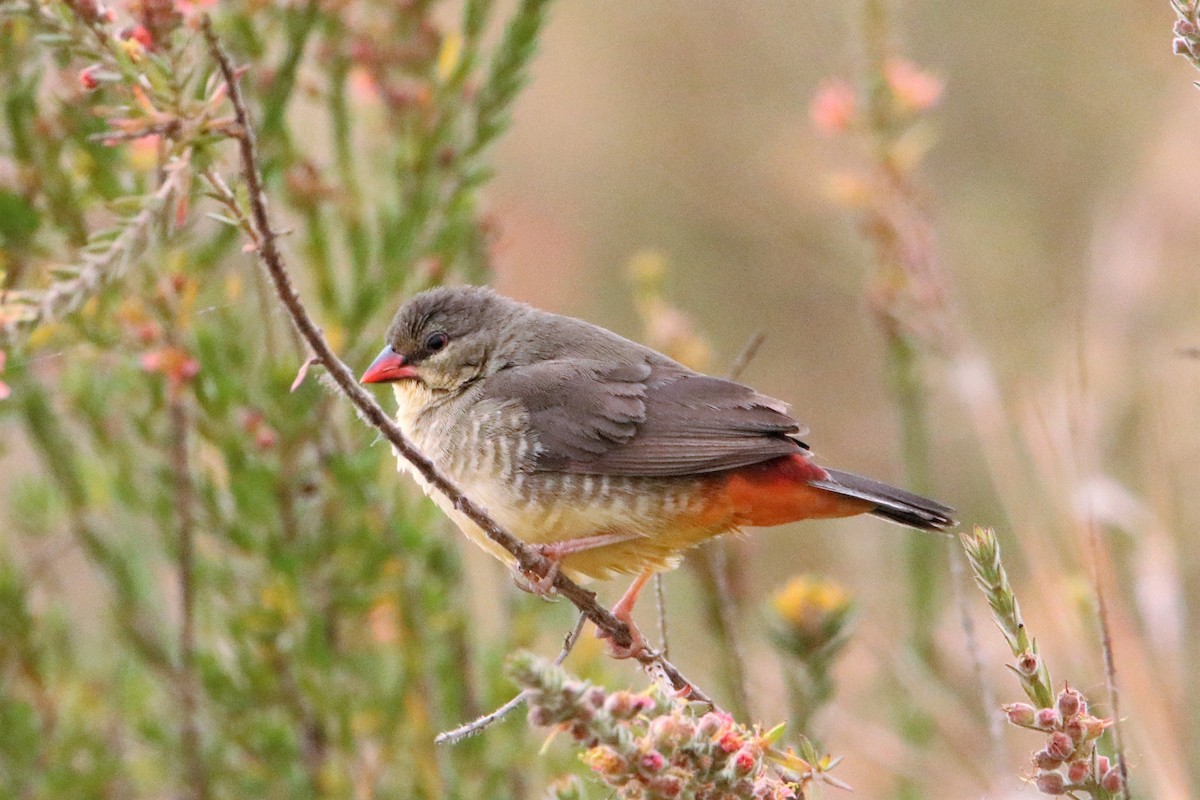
(436, 341)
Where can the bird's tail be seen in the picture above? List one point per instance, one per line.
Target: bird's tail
(891, 503)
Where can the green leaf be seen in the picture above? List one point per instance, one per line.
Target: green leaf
(18, 219)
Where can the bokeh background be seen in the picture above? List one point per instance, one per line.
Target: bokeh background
(1066, 226)
(1061, 182)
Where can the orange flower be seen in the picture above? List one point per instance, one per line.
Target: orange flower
(915, 90)
(174, 362)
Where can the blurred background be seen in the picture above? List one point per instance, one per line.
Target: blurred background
(1060, 189)
(1054, 179)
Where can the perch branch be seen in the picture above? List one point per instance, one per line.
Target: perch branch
(527, 560)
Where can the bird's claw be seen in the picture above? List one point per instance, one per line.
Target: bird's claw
(540, 585)
(638, 648)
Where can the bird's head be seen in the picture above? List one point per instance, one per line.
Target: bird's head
(448, 337)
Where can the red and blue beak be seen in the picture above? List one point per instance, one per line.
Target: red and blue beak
(388, 366)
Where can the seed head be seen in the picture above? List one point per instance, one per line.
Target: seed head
(1070, 703)
(652, 761)
(1111, 782)
(1027, 663)
(1060, 745)
(1050, 783)
(1044, 759)
(1078, 771)
(1047, 718)
(1021, 714)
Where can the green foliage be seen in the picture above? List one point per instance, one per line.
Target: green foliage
(277, 615)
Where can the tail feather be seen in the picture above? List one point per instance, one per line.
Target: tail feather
(891, 503)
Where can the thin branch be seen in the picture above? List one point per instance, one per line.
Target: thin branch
(749, 351)
(189, 731)
(528, 560)
(722, 613)
(1110, 664)
(987, 697)
(476, 726)
(660, 601)
(714, 570)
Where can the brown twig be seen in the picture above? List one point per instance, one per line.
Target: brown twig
(527, 560)
(475, 726)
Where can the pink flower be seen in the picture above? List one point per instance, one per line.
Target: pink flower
(87, 77)
(833, 106)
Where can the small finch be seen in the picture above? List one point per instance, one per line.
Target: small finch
(608, 456)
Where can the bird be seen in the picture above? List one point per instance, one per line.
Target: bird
(607, 456)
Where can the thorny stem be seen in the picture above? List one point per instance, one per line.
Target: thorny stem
(527, 560)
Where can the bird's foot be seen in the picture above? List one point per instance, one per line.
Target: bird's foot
(542, 585)
(638, 647)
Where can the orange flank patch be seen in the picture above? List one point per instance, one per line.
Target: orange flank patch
(778, 491)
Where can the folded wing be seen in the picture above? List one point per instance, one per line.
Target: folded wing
(643, 418)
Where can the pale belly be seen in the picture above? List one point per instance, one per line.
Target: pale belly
(662, 517)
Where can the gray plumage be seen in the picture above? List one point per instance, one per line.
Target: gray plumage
(589, 402)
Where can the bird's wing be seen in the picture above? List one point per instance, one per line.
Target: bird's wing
(598, 417)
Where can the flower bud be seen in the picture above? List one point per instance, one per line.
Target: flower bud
(1094, 726)
(668, 732)
(1185, 28)
(1078, 771)
(1027, 663)
(1021, 714)
(1047, 718)
(730, 741)
(1180, 46)
(595, 697)
(642, 704)
(1060, 745)
(1070, 703)
(665, 786)
(1102, 765)
(540, 716)
(1050, 783)
(1111, 782)
(620, 704)
(1074, 728)
(745, 760)
(713, 723)
(652, 761)
(604, 760)
(1044, 759)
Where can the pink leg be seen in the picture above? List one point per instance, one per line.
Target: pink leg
(623, 611)
(555, 552)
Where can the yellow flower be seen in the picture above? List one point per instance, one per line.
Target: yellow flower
(810, 616)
